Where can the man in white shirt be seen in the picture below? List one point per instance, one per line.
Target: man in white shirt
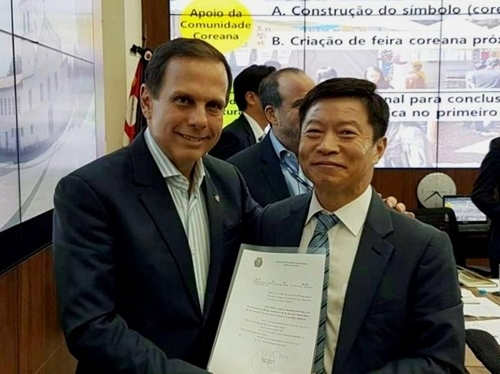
(249, 127)
(391, 296)
(146, 238)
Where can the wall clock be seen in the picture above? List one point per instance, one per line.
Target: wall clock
(433, 187)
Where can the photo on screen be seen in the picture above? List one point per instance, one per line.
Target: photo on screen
(436, 63)
(47, 111)
(9, 167)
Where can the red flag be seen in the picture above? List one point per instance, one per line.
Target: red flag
(131, 126)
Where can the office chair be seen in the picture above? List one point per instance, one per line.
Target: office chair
(485, 347)
(445, 220)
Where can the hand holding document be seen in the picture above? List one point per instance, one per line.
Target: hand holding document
(270, 321)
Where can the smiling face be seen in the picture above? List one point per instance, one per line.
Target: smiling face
(185, 119)
(337, 151)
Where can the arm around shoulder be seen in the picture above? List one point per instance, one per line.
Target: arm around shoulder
(96, 335)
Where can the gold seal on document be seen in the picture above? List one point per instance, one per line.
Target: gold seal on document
(258, 262)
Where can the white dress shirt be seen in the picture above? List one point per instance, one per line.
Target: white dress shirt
(192, 211)
(343, 240)
(256, 129)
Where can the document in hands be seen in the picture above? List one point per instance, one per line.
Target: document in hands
(271, 317)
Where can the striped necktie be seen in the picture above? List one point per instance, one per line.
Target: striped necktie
(319, 244)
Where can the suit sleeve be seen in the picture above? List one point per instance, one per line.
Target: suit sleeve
(96, 334)
(487, 181)
(228, 145)
(436, 320)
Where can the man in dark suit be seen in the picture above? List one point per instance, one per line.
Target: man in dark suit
(146, 238)
(249, 127)
(485, 194)
(391, 296)
(270, 168)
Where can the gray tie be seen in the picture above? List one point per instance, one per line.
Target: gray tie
(319, 244)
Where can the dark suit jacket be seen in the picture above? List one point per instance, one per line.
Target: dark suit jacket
(235, 137)
(125, 278)
(485, 195)
(261, 170)
(402, 311)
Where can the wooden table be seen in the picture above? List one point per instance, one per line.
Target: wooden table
(472, 364)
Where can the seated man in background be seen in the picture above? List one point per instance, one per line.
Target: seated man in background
(485, 195)
(249, 127)
(391, 295)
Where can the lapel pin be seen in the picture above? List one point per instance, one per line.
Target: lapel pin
(217, 198)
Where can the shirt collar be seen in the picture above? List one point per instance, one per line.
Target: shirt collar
(167, 168)
(352, 215)
(256, 129)
(278, 147)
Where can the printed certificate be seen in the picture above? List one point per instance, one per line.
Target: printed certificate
(271, 317)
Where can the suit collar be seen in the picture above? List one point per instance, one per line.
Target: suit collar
(368, 269)
(241, 123)
(216, 215)
(253, 129)
(144, 168)
(293, 219)
(158, 202)
(372, 256)
(271, 169)
(299, 204)
(352, 215)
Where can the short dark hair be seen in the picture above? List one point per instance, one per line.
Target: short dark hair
(248, 80)
(365, 91)
(269, 87)
(179, 48)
